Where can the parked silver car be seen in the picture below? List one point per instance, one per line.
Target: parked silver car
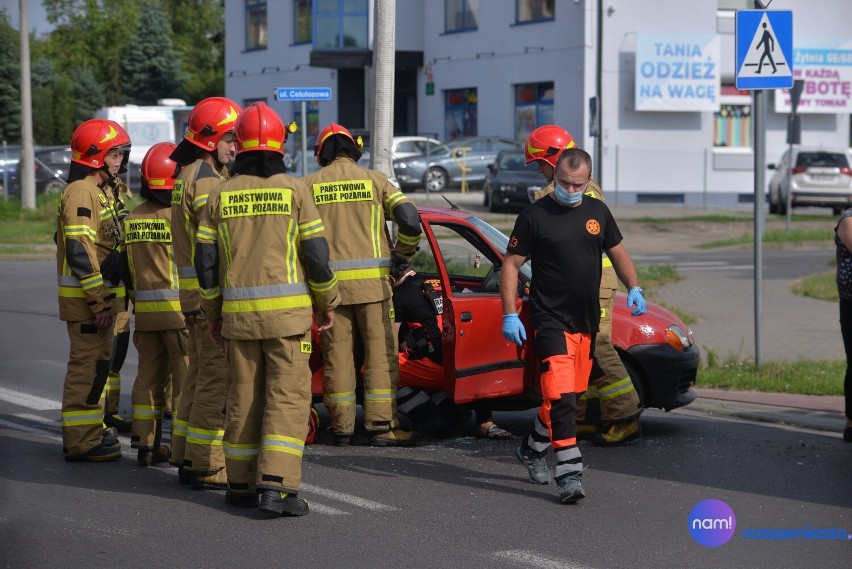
(442, 168)
(819, 177)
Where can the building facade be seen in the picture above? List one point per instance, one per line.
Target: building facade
(647, 87)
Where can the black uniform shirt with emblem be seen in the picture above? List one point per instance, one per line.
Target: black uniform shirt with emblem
(411, 304)
(565, 245)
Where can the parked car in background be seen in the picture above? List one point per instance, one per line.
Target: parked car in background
(509, 181)
(819, 177)
(465, 254)
(442, 168)
(50, 165)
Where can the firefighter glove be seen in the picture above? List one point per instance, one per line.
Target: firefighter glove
(635, 297)
(111, 268)
(513, 329)
(399, 266)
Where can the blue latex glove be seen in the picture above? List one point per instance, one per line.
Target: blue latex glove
(513, 329)
(636, 298)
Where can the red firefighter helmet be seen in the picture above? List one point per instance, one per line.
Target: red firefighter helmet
(260, 128)
(94, 138)
(547, 143)
(331, 130)
(209, 120)
(158, 170)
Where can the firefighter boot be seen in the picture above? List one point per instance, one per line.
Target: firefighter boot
(241, 499)
(116, 421)
(149, 457)
(585, 431)
(98, 453)
(570, 488)
(110, 437)
(534, 462)
(282, 504)
(618, 433)
(209, 480)
(394, 438)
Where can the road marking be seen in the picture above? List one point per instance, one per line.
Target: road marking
(328, 510)
(27, 429)
(30, 401)
(347, 498)
(528, 558)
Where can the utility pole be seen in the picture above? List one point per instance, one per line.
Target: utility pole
(26, 167)
(384, 62)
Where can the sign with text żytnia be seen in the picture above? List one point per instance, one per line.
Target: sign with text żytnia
(677, 72)
(303, 94)
(764, 49)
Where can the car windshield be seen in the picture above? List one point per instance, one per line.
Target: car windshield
(515, 162)
(500, 241)
(821, 160)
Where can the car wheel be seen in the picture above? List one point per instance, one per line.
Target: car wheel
(53, 187)
(773, 202)
(782, 206)
(435, 180)
(637, 379)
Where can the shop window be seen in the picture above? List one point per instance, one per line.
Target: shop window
(732, 122)
(302, 21)
(340, 24)
(460, 15)
(534, 11)
(255, 24)
(460, 113)
(533, 107)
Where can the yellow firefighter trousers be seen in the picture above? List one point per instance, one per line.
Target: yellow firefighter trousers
(611, 386)
(86, 375)
(204, 428)
(112, 391)
(181, 412)
(160, 353)
(269, 401)
(373, 323)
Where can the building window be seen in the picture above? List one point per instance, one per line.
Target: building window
(533, 107)
(732, 122)
(534, 11)
(460, 15)
(302, 21)
(460, 113)
(255, 24)
(341, 24)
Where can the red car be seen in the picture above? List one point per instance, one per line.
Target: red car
(466, 253)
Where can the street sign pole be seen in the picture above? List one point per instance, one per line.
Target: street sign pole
(759, 165)
(795, 95)
(304, 138)
(303, 94)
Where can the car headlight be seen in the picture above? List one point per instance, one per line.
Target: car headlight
(677, 338)
(400, 165)
(507, 188)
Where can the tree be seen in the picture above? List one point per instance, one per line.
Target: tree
(42, 80)
(87, 93)
(150, 68)
(92, 34)
(10, 82)
(198, 33)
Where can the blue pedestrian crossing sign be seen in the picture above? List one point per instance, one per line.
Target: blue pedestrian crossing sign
(764, 49)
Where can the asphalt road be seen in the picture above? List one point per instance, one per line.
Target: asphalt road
(462, 502)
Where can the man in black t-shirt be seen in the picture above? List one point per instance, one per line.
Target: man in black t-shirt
(564, 235)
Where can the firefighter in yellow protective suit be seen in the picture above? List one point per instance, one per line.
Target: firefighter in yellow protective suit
(613, 416)
(112, 390)
(352, 202)
(262, 261)
(151, 277)
(197, 428)
(88, 245)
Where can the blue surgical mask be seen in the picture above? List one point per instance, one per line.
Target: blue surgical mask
(566, 198)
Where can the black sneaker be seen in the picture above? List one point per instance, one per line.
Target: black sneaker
(282, 504)
(535, 463)
(241, 499)
(570, 489)
(98, 453)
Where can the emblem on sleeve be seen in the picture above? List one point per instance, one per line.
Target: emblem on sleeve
(593, 227)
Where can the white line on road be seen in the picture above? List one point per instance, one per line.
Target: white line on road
(31, 401)
(27, 429)
(530, 559)
(347, 498)
(328, 510)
